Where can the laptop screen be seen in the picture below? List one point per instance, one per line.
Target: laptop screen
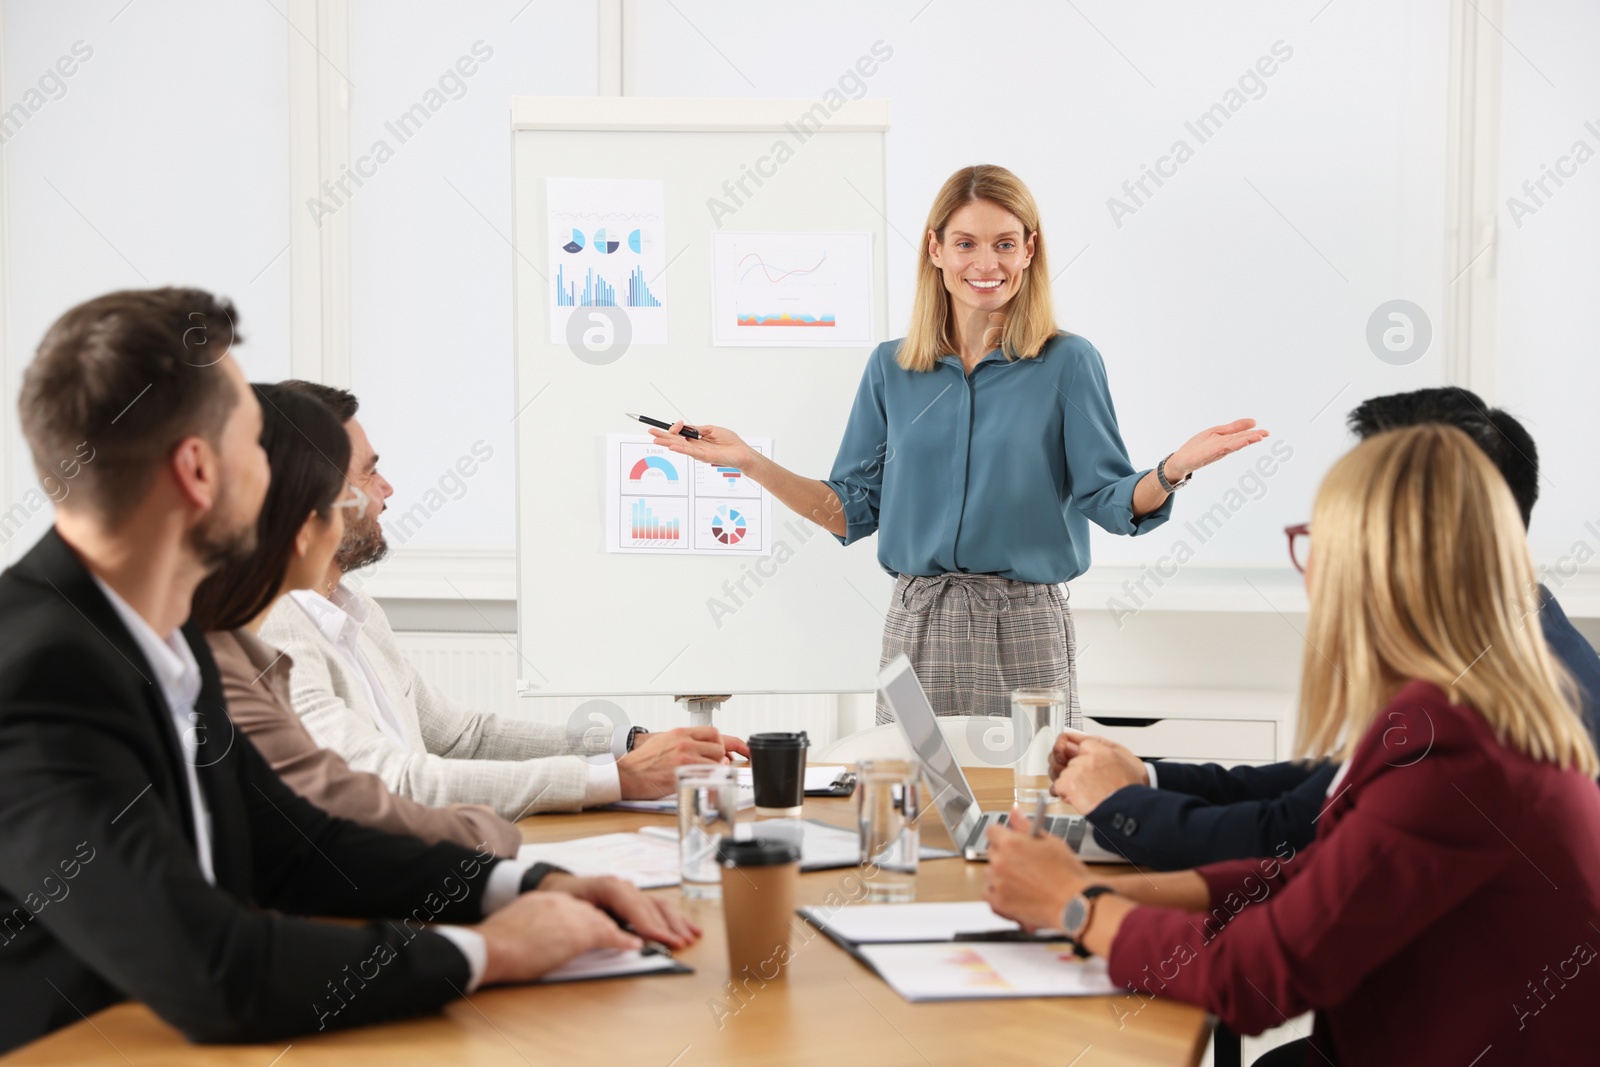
(952, 795)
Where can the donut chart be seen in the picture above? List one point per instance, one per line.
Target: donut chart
(728, 525)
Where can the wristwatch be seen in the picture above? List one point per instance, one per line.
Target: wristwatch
(1161, 476)
(1076, 915)
(633, 735)
(536, 874)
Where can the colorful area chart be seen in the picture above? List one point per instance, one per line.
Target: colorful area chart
(750, 318)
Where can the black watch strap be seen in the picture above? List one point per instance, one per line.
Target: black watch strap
(1088, 894)
(536, 874)
(633, 735)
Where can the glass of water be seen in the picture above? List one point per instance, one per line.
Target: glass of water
(1037, 718)
(708, 796)
(888, 803)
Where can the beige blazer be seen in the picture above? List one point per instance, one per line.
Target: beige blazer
(457, 755)
(255, 681)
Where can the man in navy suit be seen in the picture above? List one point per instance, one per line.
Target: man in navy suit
(1172, 816)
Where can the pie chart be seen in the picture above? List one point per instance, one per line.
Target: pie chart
(728, 525)
(574, 245)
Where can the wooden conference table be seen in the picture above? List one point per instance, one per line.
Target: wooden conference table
(831, 1010)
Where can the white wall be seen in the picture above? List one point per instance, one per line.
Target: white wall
(1206, 302)
(162, 162)
(431, 252)
(169, 157)
(1549, 268)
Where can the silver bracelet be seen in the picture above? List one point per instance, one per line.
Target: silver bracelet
(1161, 476)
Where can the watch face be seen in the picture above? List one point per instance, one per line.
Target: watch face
(1074, 915)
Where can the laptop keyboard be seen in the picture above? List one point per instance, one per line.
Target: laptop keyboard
(1070, 828)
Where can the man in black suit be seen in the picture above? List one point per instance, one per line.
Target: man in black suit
(1174, 816)
(148, 850)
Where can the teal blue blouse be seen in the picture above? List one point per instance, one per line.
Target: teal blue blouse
(998, 472)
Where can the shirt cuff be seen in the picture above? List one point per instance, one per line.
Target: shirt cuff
(604, 785)
(504, 884)
(1150, 773)
(472, 946)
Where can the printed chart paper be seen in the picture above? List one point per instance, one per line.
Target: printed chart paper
(661, 503)
(791, 290)
(982, 970)
(608, 260)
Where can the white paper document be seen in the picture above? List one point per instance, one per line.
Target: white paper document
(610, 963)
(647, 861)
(608, 260)
(937, 921)
(669, 805)
(982, 970)
(661, 503)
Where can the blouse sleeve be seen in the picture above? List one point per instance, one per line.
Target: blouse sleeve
(1101, 476)
(857, 477)
(326, 780)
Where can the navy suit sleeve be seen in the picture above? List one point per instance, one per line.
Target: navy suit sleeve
(1170, 830)
(1227, 785)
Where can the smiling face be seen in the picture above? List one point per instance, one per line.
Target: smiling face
(984, 256)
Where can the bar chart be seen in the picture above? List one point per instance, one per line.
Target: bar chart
(656, 523)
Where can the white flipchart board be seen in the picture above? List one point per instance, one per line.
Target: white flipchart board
(593, 623)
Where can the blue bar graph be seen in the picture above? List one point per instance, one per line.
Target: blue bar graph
(639, 294)
(597, 292)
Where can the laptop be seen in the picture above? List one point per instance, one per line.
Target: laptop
(952, 795)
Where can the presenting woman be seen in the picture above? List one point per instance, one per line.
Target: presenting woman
(1452, 893)
(979, 448)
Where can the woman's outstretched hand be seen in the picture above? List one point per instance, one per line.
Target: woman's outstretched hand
(1208, 446)
(717, 445)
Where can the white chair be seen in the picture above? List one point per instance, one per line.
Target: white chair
(976, 740)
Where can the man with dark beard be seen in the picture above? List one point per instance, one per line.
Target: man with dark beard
(148, 851)
(358, 694)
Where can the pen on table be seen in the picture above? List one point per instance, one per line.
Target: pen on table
(650, 947)
(1038, 814)
(687, 431)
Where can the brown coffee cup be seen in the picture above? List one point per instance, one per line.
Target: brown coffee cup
(758, 883)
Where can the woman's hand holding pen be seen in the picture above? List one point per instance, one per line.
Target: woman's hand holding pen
(717, 445)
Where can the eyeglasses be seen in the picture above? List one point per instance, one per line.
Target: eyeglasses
(1299, 545)
(357, 500)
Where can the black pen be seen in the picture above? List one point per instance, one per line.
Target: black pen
(687, 431)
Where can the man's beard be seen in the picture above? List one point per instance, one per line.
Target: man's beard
(362, 545)
(221, 540)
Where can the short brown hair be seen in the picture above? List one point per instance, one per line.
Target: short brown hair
(132, 373)
(342, 402)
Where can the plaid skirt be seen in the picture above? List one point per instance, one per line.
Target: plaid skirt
(973, 638)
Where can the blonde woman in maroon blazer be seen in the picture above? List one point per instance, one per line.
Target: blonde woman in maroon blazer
(301, 524)
(1448, 910)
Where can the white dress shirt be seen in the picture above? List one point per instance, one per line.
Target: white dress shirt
(341, 617)
(178, 674)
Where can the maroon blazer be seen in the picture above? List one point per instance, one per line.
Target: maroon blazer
(1447, 912)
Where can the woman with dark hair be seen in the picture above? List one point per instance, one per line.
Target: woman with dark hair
(301, 524)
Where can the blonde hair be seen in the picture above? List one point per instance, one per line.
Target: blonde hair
(1030, 315)
(1421, 570)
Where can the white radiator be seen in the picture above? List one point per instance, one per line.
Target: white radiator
(480, 671)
